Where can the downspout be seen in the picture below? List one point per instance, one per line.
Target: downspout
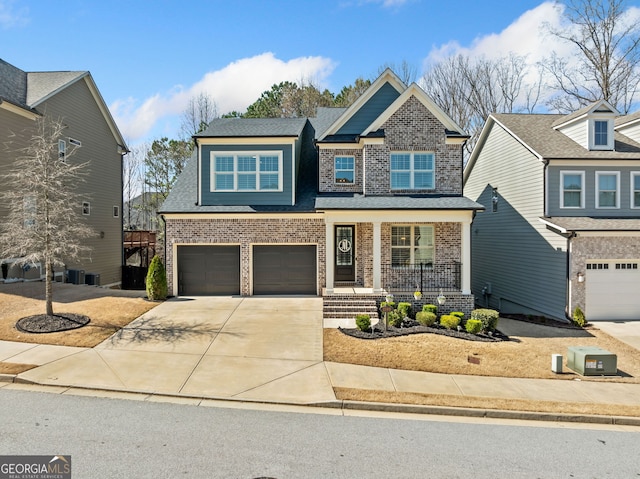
(195, 140)
(567, 309)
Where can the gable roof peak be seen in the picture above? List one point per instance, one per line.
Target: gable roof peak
(600, 106)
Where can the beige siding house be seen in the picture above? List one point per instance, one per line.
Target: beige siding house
(74, 98)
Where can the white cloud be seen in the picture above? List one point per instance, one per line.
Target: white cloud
(10, 17)
(233, 87)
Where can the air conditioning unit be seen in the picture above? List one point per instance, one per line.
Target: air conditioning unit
(75, 276)
(92, 279)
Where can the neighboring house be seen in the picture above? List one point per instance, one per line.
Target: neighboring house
(73, 98)
(562, 225)
(364, 199)
(140, 213)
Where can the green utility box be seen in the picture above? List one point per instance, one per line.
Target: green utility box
(592, 361)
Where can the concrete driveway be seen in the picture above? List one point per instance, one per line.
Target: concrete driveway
(258, 348)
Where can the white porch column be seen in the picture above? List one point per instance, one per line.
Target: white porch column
(377, 257)
(330, 256)
(465, 245)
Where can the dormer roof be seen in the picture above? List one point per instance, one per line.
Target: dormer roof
(601, 106)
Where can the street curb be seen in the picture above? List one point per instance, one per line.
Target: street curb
(8, 378)
(490, 413)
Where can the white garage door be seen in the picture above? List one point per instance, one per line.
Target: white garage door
(613, 290)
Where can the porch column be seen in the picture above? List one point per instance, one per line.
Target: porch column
(377, 258)
(465, 245)
(330, 256)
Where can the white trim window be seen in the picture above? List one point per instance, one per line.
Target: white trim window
(344, 170)
(572, 189)
(635, 189)
(86, 208)
(116, 212)
(411, 245)
(412, 171)
(62, 150)
(607, 189)
(246, 171)
(601, 134)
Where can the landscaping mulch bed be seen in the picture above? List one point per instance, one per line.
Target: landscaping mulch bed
(43, 323)
(413, 327)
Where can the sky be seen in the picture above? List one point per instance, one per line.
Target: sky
(149, 57)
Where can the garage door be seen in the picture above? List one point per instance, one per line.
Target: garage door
(284, 269)
(208, 270)
(612, 289)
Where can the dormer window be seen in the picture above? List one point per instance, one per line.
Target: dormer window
(601, 134)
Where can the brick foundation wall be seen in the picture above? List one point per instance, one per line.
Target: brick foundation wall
(246, 232)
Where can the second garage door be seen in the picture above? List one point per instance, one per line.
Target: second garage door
(612, 291)
(208, 270)
(283, 269)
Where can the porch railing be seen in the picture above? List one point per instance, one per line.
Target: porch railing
(425, 277)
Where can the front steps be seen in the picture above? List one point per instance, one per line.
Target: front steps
(341, 310)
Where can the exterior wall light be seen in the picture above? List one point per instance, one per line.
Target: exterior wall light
(441, 299)
(580, 277)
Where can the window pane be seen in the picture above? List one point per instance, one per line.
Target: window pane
(600, 128)
(268, 182)
(344, 176)
(400, 256)
(400, 235)
(572, 199)
(607, 198)
(246, 163)
(572, 182)
(423, 236)
(636, 199)
(423, 180)
(224, 182)
(224, 163)
(400, 161)
(344, 162)
(636, 182)
(247, 182)
(423, 161)
(269, 163)
(607, 182)
(423, 255)
(400, 180)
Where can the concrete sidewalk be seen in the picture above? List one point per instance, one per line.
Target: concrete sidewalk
(260, 350)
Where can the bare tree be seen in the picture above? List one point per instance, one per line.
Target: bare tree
(606, 62)
(200, 111)
(133, 181)
(44, 224)
(407, 72)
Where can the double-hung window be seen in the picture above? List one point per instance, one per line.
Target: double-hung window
(635, 189)
(607, 186)
(572, 189)
(601, 132)
(344, 167)
(411, 245)
(412, 171)
(246, 171)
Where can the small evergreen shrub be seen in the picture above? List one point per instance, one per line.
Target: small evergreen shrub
(405, 310)
(473, 326)
(578, 317)
(385, 303)
(426, 318)
(459, 314)
(394, 318)
(489, 318)
(449, 322)
(363, 322)
(432, 308)
(156, 282)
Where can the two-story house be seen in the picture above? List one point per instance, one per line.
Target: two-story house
(363, 199)
(73, 98)
(562, 224)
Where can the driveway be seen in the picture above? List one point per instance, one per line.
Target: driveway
(257, 348)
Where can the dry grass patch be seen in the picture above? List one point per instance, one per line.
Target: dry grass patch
(108, 309)
(523, 357)
(15, 368)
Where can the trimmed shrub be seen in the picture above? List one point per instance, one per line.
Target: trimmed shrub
(489, 318)
(473, 326)
(394, 318)
(449, 322)
(432, 308)
(426, 318)
(385, 303)
(459, 314)
(156, 282)
(578, 317)
(363, 322)
(405, 310)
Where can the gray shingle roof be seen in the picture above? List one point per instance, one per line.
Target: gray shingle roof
(13, 84)
(253, 127)
(537, 132)
(360, 202)
(577, 223)
(325, 117)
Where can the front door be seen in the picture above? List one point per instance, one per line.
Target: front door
(345, 259)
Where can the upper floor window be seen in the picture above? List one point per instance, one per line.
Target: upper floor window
(572, 189)
(601, 135)
(607, 187)
(411, 245)
(248, 171)
(344, 168)
(635, 189)
(62, 150)
(412, 171)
